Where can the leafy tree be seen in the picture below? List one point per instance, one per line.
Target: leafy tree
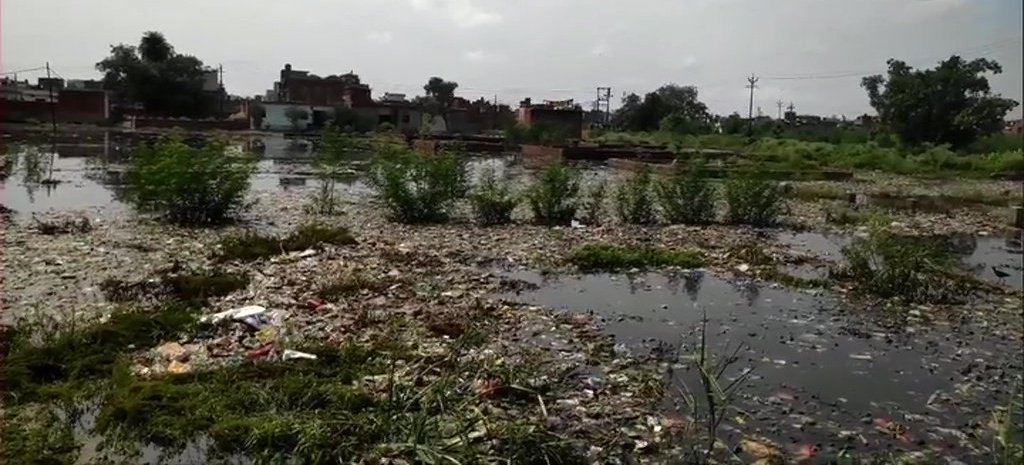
(440, 95)
(951, 104)
(164, 81)
(670, 107)
(733, 124)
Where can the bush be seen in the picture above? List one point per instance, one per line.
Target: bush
(335, 150)
(553, 197)
(492, 200)
(189, 185)
(753, 201)
(593, 206)
(607, 257)
(687, 198)
(417, 188)
(633, 200)
(908, 268)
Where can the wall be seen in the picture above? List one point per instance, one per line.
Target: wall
(73, 106)
(406, 119)
(540, 156)
(191, 124)
(276, 117)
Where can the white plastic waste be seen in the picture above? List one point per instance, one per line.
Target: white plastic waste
(289, 354)
(234, 314)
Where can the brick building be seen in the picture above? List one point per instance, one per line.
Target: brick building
(20, 101)
(301, 87)
(562, 118)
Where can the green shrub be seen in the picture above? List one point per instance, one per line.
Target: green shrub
(753, 201)
(189, 185)
(687, 198)
(634, 201)
(417, 188)
(593, 205)
(493, 201)
(608, 257)
(909, 268)
(553, 196)
(335, 150)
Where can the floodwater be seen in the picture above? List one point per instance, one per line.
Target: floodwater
(980, 256)
(824, 375)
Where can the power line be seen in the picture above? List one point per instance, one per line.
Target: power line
(38, 68)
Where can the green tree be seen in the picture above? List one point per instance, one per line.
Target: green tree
(950, 104)
(440, 95)
(671, 107)
(154, 74)
(296, 115)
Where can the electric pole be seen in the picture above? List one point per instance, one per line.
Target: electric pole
(53, 123)
(778, 103)
(604, 97)
(752, 80)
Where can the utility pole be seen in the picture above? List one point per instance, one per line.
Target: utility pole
(752, 80)
(53, 123)
(604, 96)
(220, 83)
(778, 103)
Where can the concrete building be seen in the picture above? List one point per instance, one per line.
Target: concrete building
(24, 102)
(562, 118)
(297, 86)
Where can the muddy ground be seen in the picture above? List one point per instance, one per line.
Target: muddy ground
(833, 373)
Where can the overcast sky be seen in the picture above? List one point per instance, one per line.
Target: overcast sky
(547, 49)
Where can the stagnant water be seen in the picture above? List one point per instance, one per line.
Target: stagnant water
(825, 375)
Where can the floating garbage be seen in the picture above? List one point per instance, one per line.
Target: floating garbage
(238, 314)
(294, 354)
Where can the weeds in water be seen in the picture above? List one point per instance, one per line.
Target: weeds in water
(335, 150)
(418, 188)
(888, 265)
(250, 245)
(48, 353)
(634, 199)
(37, 435)
(687, 198)
(608, 257)
(1008, 425)
(753, 201)
(553, 196)
(189, 185)
(492, 200)
(593, 204)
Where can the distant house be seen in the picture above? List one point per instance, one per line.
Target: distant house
(1014, 128)
(51, 99)
(560, 117)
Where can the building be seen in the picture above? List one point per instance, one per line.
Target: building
(297, 86)
(1014, 128)
(50, 99)
(561, 117)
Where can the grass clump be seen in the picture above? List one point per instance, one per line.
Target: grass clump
(418, 188)
(753, 201)
(188, 287)
(911, 269)
(553, 197)
(49, 353)
(492, 200)
(251, 246)
(190, 186)
(608, 257)
(634, 201)
(348, 283)
(687, 198)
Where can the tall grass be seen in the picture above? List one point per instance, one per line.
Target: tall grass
(753, 200)
(634, 199)
(417, 188)
(492, 199)
(188, 185)
(687, 198)
(553, 196)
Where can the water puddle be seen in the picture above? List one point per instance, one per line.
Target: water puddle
(823, 376)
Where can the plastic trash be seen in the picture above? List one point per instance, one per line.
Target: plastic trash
(262, 352)
(294, 354)
(235, 314)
